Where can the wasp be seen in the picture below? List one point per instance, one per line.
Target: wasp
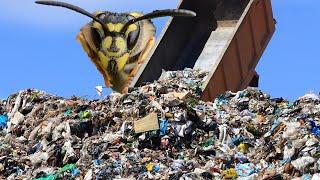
(118, 43)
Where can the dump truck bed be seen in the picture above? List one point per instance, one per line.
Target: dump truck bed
(227, 39)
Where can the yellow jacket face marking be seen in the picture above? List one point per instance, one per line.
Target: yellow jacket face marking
(104, 60)
(114, 46)
(121, 44)
(122, 61)
(115, 27)
(106, 43)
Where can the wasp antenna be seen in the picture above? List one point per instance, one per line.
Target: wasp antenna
(74, 8)
(163, 13)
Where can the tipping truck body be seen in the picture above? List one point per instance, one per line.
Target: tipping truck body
(227, 39)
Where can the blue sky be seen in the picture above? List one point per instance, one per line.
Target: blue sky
(38, 47)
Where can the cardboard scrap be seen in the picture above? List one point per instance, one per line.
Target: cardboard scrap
(148, 123)
(181, 95)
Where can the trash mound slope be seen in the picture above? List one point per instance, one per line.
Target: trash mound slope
(161, 130)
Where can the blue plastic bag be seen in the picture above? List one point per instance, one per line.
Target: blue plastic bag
(315, 129)
(156, 168)
(75, 172)
(3, 121)
(163, 127)
(245, 170)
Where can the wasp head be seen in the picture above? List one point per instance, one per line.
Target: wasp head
(117, 38)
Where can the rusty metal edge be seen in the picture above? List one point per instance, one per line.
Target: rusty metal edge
(215, 66)
(271, 30)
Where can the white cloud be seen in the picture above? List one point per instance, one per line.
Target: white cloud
(26, 12)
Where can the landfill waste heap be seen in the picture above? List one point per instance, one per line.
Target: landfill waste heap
(161, 130)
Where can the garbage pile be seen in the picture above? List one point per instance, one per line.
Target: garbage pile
(161, 130)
